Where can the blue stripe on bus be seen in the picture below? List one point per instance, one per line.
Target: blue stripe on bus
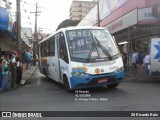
(78, 80)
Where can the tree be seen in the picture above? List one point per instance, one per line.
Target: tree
(67, 23)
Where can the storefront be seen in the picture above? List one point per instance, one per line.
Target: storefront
(130, 21)
(8, 33)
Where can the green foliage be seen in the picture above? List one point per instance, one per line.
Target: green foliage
(67, 23)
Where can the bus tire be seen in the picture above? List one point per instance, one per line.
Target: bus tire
(112, 86)
(66, 84)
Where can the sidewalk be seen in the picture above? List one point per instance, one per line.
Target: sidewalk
(26, 76)
(137, 76)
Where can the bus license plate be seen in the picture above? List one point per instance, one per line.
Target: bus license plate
(102, 80)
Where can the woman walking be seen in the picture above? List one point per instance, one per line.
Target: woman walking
(4, 75)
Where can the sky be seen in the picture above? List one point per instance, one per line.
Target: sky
(53, 12)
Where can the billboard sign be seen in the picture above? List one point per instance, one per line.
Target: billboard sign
(109, 6)
(145, 16)
(155, 57)
(27, 32)
(6, 21)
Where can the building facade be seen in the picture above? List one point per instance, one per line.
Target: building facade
(8, 39)
(130, 21)
(79, 9)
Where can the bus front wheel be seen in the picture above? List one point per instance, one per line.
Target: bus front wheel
(66, 84)
(112, 86)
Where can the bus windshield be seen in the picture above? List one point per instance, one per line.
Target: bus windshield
(90, 44)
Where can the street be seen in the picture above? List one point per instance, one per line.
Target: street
(47, 95)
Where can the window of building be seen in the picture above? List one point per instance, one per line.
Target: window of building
(87, 9)
(142, 44)
(80, 5)
(88, 4)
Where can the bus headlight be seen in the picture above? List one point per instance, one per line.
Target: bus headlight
(81, 74)
(119, 69)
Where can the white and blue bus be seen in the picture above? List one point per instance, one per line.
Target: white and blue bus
(81, 57)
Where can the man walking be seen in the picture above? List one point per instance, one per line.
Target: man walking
(134, 60)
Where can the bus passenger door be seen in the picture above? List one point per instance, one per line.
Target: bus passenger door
(62, 64)
(56, 59)
(52, 60)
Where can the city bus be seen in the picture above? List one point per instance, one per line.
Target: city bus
(81, 57)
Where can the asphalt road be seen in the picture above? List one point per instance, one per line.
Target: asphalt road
(45, 95)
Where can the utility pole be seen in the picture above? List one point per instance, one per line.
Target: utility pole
(156, 14)
(18, 19)
(35, 35)
(98, 13)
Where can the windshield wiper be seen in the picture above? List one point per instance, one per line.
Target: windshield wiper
(102, 47)
(90, 51)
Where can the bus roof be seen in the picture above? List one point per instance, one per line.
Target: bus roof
(70, 28)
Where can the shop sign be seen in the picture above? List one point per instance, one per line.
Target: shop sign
(145, 16)
(115, 25)
(27, 32)
(123, 22)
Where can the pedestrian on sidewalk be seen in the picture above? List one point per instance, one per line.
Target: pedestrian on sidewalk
(5, 70)
(134, 59)
(13, 70)
(147, 63)
(19, 67)
(124, 56)
(28, 59)
(140, 63)
(1, 59)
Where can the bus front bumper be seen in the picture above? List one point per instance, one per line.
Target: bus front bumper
(87, 81)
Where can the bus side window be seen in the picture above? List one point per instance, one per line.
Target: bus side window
(48, 48)
(52, 46)
(63, 49)
(42, 49)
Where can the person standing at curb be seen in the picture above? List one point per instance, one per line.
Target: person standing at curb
(19, 67)
(13, 71)
(4, 75)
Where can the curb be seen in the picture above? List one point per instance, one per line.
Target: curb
(143, 77)
(25, 81)
(28, 81)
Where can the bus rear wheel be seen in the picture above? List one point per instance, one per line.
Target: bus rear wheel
(66, 85)
(112, 86)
